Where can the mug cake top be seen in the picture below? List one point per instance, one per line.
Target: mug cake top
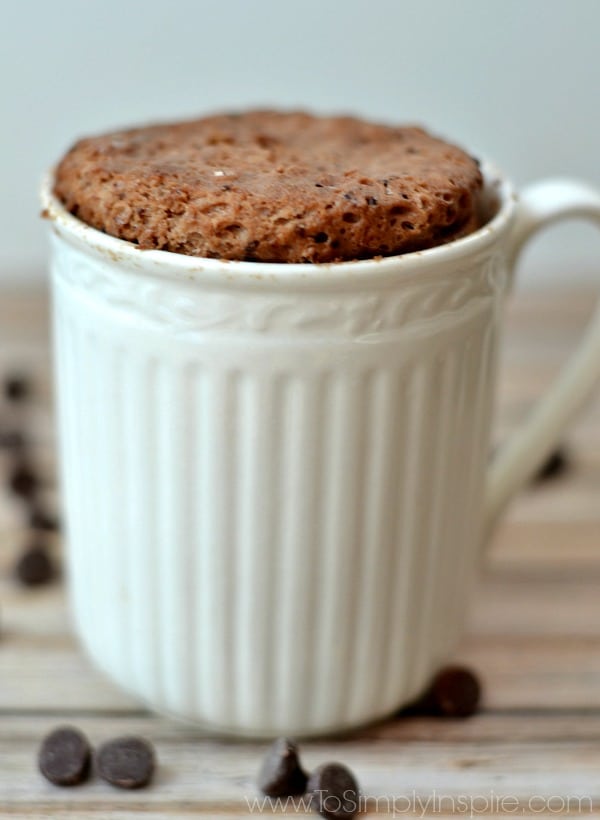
(273, 187)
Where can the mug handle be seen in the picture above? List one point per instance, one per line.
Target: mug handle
(541, 205)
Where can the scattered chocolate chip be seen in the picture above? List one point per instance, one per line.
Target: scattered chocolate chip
(281, 774)
(555, 465)
(455, 692)
(64, 757)
(126, 762)
(23, 481)
(34, 567)
(371, 200)
(334, 792)
(17, 387)
(40, 519)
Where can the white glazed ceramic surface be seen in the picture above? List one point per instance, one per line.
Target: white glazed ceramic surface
(275, 475)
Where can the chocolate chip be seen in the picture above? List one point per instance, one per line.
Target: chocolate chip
(371, 200)
(281, 774)
(17, 387)
(64, 757)
(40, 519)
(555, 465)
(334, 792)
(34, 567)
(455, 692)
(23, 481)
(126, 762)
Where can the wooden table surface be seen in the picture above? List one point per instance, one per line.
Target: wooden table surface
(534, 637)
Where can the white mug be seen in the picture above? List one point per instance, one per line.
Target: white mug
(276, 476)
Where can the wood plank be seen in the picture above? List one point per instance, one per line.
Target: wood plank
(523, 671)
(217, 776)
(504, 728)
(110, 813)
(515, 808)
(536, 672)
(509, 600)
(546, 547)
(531, 606)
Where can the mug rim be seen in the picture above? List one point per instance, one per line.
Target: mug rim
(168, 264)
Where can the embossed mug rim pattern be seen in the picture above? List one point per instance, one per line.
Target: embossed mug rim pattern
(165, 263)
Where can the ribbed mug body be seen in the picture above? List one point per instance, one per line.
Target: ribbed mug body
(273, 491)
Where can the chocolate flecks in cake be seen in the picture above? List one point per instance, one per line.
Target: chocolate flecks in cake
(273, 187)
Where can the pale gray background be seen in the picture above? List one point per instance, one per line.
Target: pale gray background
(516, 80)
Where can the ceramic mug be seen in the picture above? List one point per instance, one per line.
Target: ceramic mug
(276, 476)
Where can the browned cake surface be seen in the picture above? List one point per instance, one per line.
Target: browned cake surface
(274, 187)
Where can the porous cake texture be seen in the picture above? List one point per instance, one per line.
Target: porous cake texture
(273, 186)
